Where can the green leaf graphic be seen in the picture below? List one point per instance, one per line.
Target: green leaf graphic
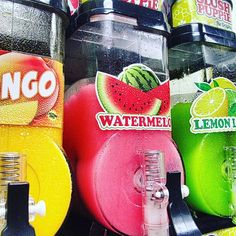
(215, 83)
(232, 110)
(203, 86)
(52, 115)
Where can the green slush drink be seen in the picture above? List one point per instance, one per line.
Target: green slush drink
(202, 64)
(204, 160)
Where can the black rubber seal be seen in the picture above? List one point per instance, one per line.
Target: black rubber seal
(201, 33)
(147, 19)
(55, 6)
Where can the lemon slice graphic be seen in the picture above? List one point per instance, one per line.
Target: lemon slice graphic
(213, 103)
(223, 83)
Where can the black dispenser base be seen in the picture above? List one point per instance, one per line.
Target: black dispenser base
(75, 225)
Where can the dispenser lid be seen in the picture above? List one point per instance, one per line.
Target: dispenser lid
(201, 33)
(52, 5)
(147, 19)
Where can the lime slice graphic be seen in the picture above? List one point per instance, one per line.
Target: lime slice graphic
(231, 94)
(223, 83)
(213, 103)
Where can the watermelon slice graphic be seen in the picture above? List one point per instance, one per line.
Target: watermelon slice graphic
(117, 97)
(162, 92)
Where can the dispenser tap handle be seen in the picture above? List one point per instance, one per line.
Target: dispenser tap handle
(182, 223)
(184, 191)
(38, 209)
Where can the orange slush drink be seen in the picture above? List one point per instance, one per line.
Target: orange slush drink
(31, 114)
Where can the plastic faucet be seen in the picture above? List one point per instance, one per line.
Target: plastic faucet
(17, 211)
(180, 217)
(155, 195)
(34, 209)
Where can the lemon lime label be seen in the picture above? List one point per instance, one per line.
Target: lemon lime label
(31, 90)
(208, 125)
(214, 110)
(216, 13)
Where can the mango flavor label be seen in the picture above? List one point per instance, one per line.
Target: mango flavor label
(31, 90)
(214, 110)
(216, 13)
(136, 99)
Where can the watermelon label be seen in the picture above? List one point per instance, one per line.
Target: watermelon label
(73, 5)
(133, 100)
(120, 122)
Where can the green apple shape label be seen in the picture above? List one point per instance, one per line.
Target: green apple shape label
(133, 100)
(214, 110)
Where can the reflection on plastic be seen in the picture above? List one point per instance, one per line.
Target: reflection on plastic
(231, 171)
(13, 169)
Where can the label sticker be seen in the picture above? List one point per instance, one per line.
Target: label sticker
(31, 90)
(214, 110)
(134, 100)
(216, 13)
(73, 5)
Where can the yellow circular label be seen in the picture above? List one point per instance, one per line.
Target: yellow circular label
(214, 13)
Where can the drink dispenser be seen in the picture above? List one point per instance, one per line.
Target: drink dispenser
(32, 35)
(203, 72)
(117, 106)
